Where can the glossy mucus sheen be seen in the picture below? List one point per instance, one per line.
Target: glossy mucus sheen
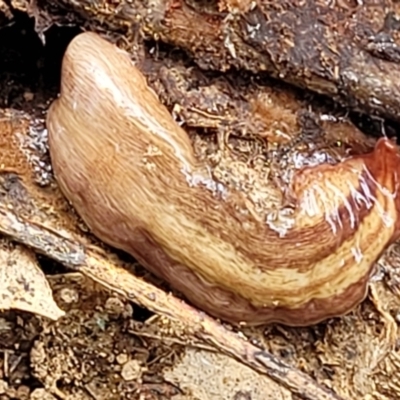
(131, 173)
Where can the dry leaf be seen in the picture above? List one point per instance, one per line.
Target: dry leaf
(23, 285)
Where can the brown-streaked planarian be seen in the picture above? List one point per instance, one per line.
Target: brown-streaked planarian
(131, 173)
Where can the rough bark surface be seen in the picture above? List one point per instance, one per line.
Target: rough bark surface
(342, 49)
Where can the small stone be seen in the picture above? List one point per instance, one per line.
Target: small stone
(28, 96)
(69, 295)
(23, 392)
(111, 358)
(41, 394)
(122, 358)
(131, 370)
(115, 306)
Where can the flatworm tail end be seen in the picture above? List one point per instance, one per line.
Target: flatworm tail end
(384, 166)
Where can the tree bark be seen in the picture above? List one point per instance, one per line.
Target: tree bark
(345, 50)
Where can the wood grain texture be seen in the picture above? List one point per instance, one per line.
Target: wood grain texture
(131, 173)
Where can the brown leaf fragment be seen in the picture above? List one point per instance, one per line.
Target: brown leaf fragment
(23, 285)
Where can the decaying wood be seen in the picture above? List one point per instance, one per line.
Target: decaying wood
(344, 49)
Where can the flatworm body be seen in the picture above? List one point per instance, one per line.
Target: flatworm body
(131, 173)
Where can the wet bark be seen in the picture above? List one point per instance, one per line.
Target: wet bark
(346, 51)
